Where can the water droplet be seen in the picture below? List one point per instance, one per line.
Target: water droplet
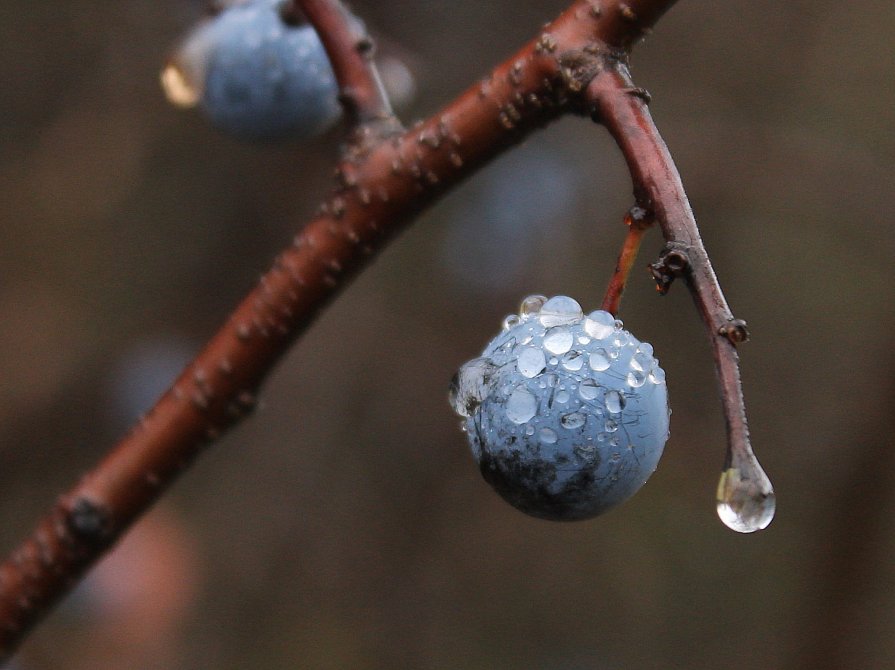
(599, 324)
(610, 426)
(178, 86)
(521, 406)
(599, 360)
(573, 420)
(589, 389)
(471, 385)
(531, 306)
(547, 436)
(562, 397)
(646, 348)
(583, 339)
(530, 362)
(615, 402)
(510, 321)
(558, 340)
(573, 361)
(635, 379)
(621, 338)
(554, 360)
(559, 311)
(657, 375)
(529, 430)
(641, 361)
(746, 500)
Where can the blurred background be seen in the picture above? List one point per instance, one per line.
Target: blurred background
(345, 524)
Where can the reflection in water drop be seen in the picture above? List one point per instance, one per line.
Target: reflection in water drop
(531, 306)
(521, 406)
(531, 361)
(599, 324)
(599, 360)
(746, 500)
(559, 311)
(558, 340)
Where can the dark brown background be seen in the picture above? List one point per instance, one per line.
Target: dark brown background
(345, 525)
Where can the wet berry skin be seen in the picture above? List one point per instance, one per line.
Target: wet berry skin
(566, 414)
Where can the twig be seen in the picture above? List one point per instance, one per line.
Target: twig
(381, 186)
(350, 53)
(623, 109)
(638, 221)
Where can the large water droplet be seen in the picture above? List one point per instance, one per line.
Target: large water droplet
(599, 324)
(521, 406)
(573, 420)
(470, 386)
(547, 436)
(746, 500)
(531, 361)
(615, 402)
(573, 361)
(558, 340)
(560, 310)
(589, 389)
(531, 306)
(599, 360)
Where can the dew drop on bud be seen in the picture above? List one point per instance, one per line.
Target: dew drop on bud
(746, 500)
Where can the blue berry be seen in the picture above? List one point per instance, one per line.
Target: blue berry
(255, 76)
(566, 414)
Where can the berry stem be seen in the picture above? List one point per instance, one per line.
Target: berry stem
(623, 109)
(637, 220)
(350, 53)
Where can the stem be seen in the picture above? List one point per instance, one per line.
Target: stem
(381, 186)
(622, 108)
(637, 220)
(350, 53)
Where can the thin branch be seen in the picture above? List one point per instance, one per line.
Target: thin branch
(638, 221)
(350, 53)
(623, 109)
(381, 186)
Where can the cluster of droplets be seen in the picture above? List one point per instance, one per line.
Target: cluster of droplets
(566, 414)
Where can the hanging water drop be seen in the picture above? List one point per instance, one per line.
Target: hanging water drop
(470, 386)
(746, 500)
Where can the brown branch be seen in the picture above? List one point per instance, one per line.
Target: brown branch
(350, 53)
(623, 109)
(381, 186)
(638, 221)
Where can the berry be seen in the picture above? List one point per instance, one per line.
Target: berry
(566, 414)
(255, 76)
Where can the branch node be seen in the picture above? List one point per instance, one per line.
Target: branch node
(674, 262)
(736, 331)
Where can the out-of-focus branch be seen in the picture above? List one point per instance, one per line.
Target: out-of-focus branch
(350, 53)
(381, 185)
